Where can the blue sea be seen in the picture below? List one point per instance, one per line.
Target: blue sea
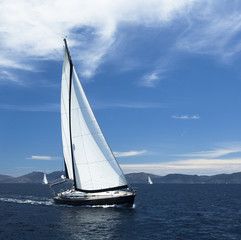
(161, 211)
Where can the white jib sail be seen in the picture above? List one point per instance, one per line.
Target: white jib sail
(95, 167)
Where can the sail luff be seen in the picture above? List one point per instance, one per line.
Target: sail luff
(65, 112)
(70, 129)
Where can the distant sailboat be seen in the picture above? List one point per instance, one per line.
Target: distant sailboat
(149, 180)
(45, 181)
(89, 161)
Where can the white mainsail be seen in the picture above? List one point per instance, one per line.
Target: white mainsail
(149, 180)
(65, 116)
(88, 159)
(45, 181)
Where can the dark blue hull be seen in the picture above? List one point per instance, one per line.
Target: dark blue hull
(122, 200)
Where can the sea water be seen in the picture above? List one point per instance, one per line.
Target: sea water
(161, 211)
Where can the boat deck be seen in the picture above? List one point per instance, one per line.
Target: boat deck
(109, 198)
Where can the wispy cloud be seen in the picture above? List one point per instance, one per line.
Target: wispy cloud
(213, 31)
(32, 31)
(190, 166)
(35, 31)
(184, 132)
(31, 108)
(214, 153)
(52, 107)
(150, 80)
(186, 117)
(134, 105)
(45, 158)
(161, 70)
(226, 159)
(130, 153)
(7, 76)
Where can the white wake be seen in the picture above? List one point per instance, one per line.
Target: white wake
(27, 201)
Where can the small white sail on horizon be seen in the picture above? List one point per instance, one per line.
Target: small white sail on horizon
(149, 180)
(45, 181)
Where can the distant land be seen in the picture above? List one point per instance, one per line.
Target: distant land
(37, 177)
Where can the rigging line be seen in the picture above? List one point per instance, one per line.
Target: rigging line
(87, 134)
(76, 108)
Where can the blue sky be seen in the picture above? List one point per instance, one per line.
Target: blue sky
(163, 78)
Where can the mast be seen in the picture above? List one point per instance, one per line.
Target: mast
(70, 86)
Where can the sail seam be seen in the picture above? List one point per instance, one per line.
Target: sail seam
(87, 134)
(79, 108)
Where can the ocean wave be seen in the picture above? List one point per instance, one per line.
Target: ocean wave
(103, 206)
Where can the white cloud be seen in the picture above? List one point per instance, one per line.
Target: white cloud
(186, 117)
(162, 66)
(130, 153)
(214, 30)
(6, 77)
(46, 158)
(150, 80)
(11, 63)
(30, 29)
(190, 166)
(134, 105)
(221, 160)
(33, 30)
(52, 107)
(214, 153)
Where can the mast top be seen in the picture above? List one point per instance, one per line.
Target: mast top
(66, 47)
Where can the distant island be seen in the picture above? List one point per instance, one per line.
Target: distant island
(37, 177)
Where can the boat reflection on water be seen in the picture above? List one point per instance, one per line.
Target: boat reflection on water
(92, 222)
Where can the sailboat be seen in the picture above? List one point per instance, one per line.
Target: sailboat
(149, 180)
(89, 161)
(45, 181)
